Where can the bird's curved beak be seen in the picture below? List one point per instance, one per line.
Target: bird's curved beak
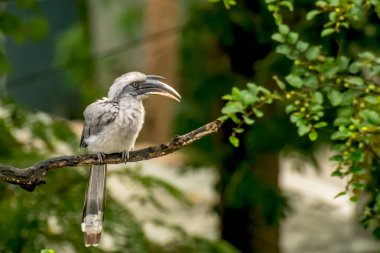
(153, 85)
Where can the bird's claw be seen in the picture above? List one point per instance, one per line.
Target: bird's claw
(100, 157)
(125, 155)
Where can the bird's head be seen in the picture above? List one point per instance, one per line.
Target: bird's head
(139, 86)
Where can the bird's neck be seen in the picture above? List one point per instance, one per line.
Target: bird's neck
(130, 102)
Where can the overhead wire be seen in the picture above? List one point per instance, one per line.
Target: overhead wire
(56, 69)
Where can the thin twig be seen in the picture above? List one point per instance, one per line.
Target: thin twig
(30, 177)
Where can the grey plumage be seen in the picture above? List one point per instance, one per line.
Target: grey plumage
(112, 124)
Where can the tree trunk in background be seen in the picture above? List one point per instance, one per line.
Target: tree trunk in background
(161, 55)
(245, 228)
(264, 237)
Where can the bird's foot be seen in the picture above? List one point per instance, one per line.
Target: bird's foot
(101, 156)
(125, 155)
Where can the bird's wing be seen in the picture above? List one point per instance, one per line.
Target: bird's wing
(96, 116)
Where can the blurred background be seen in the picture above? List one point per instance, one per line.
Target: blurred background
(272, 194)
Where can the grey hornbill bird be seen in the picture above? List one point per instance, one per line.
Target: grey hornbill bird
(111, 125)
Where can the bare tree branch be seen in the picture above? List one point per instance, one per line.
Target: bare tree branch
(30, 177)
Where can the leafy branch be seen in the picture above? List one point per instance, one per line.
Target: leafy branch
(29, 178)
(244, 105)
(345, 87)
(227, 3)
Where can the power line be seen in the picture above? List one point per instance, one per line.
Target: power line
(15, 1)
(45, 73)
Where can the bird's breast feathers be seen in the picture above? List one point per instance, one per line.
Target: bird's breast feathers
(120, 134)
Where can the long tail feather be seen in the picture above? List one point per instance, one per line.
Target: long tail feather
(92, 221)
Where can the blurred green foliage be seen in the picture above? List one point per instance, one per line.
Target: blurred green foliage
(33, 26)
(333, 91)
(74, 54)
(220, 49)
(48, 219)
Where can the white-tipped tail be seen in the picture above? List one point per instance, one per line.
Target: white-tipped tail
(92, 222)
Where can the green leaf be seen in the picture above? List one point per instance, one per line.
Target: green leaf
(312, 53)
(235, 93)
(234, 141)
(253, 88)
(316, 109)
(265, 91)
(235, 118)
(227, 3)
(272, 8)
(357, 156)
(280, 83)
(367, 55)
(311, 81)
(348, 97)
(346, 112)
(370, 116)
(247, 98)
(228, 97)
(357, 170)
(283, 29)
(342, 121)
(295, 117)
(238, 130)
(321, 4)
(258, 113)
(283, 49)
(321, 124)
(354, 199)
(338, 135)
(339, 147)
(355, 67)
(333, 18)
(223, 118)
(293, 37)
(278, 37)
(313, 135)
(354, 80)
(335, 97)
(371, 99)
(287, 4)
(303, 129)
(291, 108)
(343, 62)
(294, 80)
(327, 31)
(340, 194)
(248, 120)
(337, 173)
(336, 158)
(317, 97)
(231, 108)
(311, 14)
(302, 46)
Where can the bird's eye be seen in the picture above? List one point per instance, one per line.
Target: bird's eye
(135, 84)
